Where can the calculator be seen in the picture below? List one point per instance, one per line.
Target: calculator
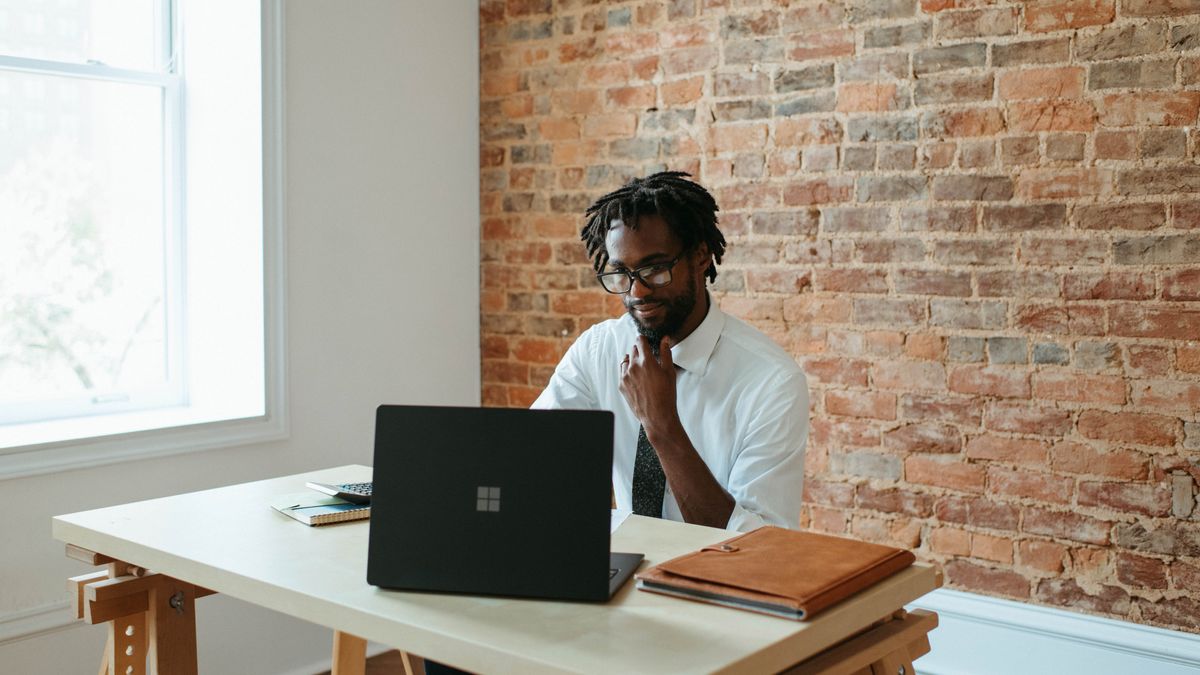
(355, 493)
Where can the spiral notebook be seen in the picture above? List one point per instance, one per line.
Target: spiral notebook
(313, 508)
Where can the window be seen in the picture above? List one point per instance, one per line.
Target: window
(139, 258)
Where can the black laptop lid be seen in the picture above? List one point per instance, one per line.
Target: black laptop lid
(492, 501)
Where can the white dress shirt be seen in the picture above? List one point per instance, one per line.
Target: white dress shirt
(743, 402)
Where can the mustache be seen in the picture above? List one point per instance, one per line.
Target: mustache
(645, 301)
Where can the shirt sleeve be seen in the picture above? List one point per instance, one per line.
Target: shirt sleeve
(767, 479)
(572, 386)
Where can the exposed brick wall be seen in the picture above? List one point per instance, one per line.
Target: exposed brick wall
(976, 224)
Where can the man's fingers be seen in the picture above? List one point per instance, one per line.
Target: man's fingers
(664, 355)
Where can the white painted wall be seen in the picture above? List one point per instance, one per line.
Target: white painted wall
(382, 306)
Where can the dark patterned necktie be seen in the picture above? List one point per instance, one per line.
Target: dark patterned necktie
(649, 481)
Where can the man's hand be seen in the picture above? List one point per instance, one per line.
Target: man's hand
(648, 385)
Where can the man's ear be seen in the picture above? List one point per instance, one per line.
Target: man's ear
(703, 259)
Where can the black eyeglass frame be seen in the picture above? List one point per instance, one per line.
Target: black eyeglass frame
(636, 275)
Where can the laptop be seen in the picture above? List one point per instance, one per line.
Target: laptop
(494, 501)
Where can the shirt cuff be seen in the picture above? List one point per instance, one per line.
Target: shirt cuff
(744, 520)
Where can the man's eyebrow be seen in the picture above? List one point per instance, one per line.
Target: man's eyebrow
(648, 260)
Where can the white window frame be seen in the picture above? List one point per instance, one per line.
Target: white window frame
(175, 433)
(174, 391)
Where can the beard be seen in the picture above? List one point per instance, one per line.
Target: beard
(677, 311)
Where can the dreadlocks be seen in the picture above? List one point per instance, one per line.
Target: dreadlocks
(690, 212)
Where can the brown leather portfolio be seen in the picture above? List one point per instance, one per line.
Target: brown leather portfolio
(776, 571)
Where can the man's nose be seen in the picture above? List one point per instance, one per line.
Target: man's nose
(638, 289)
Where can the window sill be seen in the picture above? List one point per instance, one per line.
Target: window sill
(163, 433)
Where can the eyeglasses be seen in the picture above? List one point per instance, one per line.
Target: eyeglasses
(651, 276)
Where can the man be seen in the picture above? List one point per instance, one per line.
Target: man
(711, 416)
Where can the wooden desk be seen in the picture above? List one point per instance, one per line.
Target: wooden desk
(229, 540)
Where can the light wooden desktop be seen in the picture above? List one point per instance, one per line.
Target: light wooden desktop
(228, 540)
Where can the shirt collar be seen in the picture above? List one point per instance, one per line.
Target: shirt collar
(693, 352)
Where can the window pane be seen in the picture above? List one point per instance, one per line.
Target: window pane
(119, 33)
(82, 280)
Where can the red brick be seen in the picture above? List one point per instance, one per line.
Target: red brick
(1052, 115)
(792, 132)
(927, 470)
(682, 92)
(558, 129)
(1181, 285)
(924, 437)
(505, 372)
(1024, 418)
(1167, 395)
(845, 433)
(894, 501)
(874, 405)
(812, 309)
(963, 574)
(1009, 450)
(748, 196)
(1148, 360)
(1108, 286)
(852, 280)
(837, 371)
(1150, 108)
(963, 122)
(689, 60)
(494, 395)
(925, 346)
(931, 282)
(1149, 500)
(1159, 7)
(1068, 320)
(950, 541)
(643, 96)
(1080, 388)
(1066, 525)
(1130, 320)
(1126, 427)
(1068, 457)
(630, 43)
(909, 375)
(830, 521)
(790, 281)
(819, 191)
(870, 311)
(987, 547)
(1141, 571)
(535, 350)
(685, 35)
(990, 381)
(613, 124)
(1187, 358)
(1051, 15)
(823, 45)
(737, 138)
(1064, 183)
(978, 512)
(869, 97)
(1068, 593)
(839, 495)
(1045, 556)
(1062, 82)
(1116, 145)
(1018, 484)
(964, 410)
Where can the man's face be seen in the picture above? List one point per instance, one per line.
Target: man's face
(671, 310)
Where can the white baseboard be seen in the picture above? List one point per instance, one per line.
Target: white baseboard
(37, 621)
(979, 635)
